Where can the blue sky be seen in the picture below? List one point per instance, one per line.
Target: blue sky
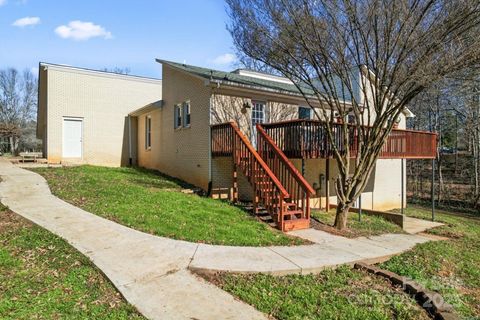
(114, 33)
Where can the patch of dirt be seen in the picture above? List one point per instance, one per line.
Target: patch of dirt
(446, 233)
(475, 294)
(318, 225)
(433, 236)
(10, 221)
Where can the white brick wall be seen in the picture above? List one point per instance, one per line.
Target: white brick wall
(184, 152)
(102, 100)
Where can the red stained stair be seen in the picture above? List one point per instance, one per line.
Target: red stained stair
(281, 194)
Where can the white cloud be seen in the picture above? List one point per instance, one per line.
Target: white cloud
(225, 59)
(79, 30)
(2, 2)
(27, 21)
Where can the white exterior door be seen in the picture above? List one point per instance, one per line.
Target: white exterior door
(72, 137)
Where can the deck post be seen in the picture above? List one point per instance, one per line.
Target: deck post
(254, 184)
(235, 172)
(360, 208)
(235, 184)
(432, 195)
(327, 185)
(402, 192)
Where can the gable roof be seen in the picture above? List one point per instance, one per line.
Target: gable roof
(233, 78)
(237, 79)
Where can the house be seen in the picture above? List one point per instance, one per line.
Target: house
(238, 135)
(83, 114)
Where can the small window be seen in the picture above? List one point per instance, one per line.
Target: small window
(304, 113)
(351, 119)
(148, 133)
(186, 114)
(177, 117)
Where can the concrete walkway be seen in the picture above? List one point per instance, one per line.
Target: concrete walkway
(153, 272)
(413, 225)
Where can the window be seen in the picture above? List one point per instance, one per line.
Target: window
(148, 132)
(258, 112)
(186, 114)
(351, 118)
(177, 117)
(304, 113)
(258, 116)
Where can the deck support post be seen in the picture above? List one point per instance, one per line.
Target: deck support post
(402, 194)
(360, 208)
(235, 184)
(432, 195)
(327, 185)
(254, 184)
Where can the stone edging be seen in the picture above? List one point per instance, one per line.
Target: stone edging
(431, 301)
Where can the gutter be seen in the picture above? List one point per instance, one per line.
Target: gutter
(214, 83)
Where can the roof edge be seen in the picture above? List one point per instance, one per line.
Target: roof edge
(97, 72)
(149, 107)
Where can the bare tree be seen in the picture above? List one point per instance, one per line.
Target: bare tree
(249, 63)
(471, 90)
(400, 48)
(228, 108)
(18, 103)
(118, 70)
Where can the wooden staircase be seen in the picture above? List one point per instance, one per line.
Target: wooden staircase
(280, 193)
(297, 206)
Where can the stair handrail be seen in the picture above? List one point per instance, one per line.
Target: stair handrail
(259, 159)
(291, 168)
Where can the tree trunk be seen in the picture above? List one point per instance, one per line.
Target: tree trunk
(341, 216)
(441, 185)
(12, 145)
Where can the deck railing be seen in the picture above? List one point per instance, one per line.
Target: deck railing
(222, 139)
(308, 139)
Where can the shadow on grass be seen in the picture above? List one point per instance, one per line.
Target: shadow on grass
(167, 181)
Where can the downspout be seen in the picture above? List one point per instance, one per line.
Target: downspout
(209, 191)
(130, 160)
(212, 90)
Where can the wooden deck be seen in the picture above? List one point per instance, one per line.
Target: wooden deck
(307, 139)
(277, 185)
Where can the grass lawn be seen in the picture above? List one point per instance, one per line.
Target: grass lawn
(150, 202)
(368, 226)
(43, 277)
(343, 293)
(450, 267)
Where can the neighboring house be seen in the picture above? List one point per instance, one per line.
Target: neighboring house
(188, 135)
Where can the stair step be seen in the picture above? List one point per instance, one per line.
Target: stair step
(295, 224)
(286, 204)
(266, 218)
(292, 212)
